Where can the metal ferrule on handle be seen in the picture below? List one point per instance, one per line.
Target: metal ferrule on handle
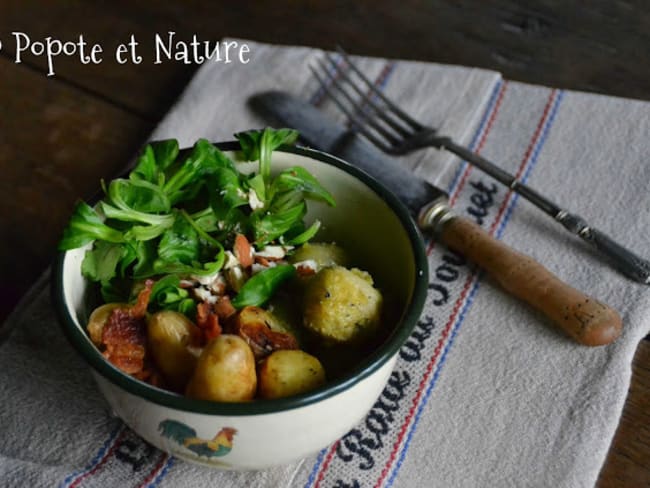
(434, 215)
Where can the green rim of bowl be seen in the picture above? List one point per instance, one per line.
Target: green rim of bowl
(372, 363)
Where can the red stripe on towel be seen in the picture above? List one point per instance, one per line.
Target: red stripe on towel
(156, 470)
(106, 457)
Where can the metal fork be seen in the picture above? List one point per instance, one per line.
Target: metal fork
(393, 131)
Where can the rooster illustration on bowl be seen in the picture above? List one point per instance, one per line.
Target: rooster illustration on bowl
(185, 436)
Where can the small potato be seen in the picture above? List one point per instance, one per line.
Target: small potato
(225, 371)
(289, 372)
(341, 305)
(171, 337)
(98, 319)
(324, 254)
(251, 314)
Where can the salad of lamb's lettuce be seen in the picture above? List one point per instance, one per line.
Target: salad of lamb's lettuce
(175, 218)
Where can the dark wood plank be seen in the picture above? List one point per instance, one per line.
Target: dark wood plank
(55, 145)
(628, 461)
(143, 89)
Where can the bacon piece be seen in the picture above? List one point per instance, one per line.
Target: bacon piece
(224, 308)
(212, 329)
(262, 340)
(251, 325)
(208, 321)
(140, 308)
(203, 310)
(243, 251)
(124, 338)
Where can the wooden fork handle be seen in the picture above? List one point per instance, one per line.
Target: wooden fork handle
(585, 319)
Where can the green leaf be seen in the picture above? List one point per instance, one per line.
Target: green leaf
(187, 307)
(100, 263)
(299, 179)
(138, 195)
(134, 216)
(261, 287)
(257, 185)
(146, 252)
(154, 160)
(206, 220)
(258, 145)
(229, 188)
(85, 226)
(180, 250)
(230, 220)
(286, 200)
(200, 232)
(180, 243)
(146, 168)
(305, 236)
(213, 267)
(204, 160)
(147, 232)
(271, 226)
(195, 269)
(250, 144)
(165, 152)
(210, 156)
(129, 256)
(168, 295)
(227, 205)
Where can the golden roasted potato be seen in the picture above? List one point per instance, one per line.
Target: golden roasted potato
(341, 305)
(98, 319)
(289, 372)
(225, 371)
(324, 254)
(251, 314)
(171, 336)
(262, 331)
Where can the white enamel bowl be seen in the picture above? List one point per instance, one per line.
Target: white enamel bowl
(368, 220)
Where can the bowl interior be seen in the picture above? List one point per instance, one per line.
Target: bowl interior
(367, 221)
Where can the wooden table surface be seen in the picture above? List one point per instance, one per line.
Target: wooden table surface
(60, 134)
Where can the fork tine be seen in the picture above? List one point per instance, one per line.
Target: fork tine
(361, 114)
(362, 127)
(367, 100)
(359, 111)
(403, 115)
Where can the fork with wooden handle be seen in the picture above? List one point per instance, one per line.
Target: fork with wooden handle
(394, 131)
